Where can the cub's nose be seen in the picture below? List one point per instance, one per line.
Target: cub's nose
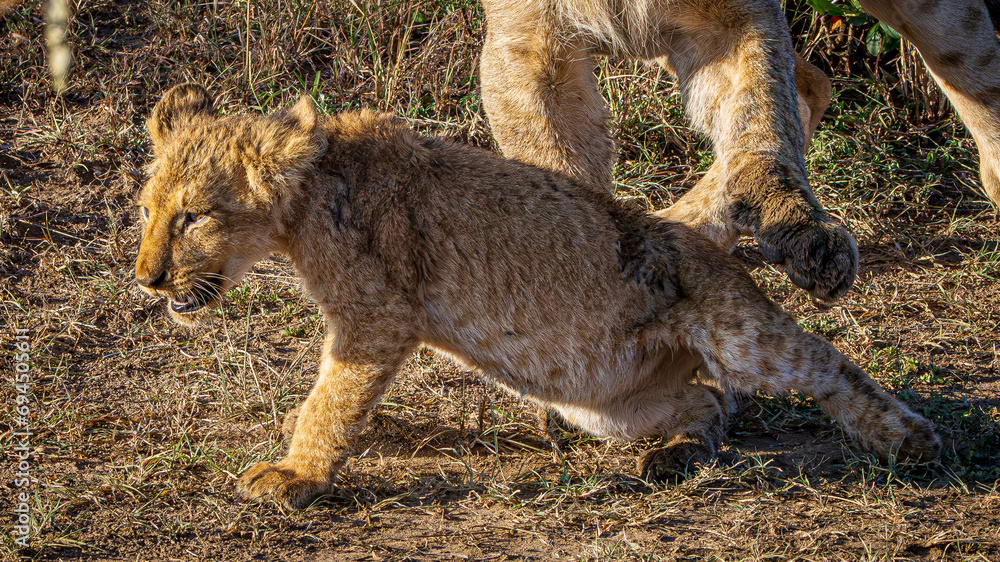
(150, 282)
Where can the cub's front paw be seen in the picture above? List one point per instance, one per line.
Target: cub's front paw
(818, 256)
(282, 484)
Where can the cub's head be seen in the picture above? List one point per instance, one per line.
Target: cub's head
(217, 187)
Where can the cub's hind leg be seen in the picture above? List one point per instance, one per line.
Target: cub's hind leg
(748, 343)
(695, 418)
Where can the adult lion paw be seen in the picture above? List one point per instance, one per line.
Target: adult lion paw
(281, 484)
(770, 198)
(818, 256)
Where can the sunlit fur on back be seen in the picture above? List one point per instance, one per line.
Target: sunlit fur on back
(549, 289)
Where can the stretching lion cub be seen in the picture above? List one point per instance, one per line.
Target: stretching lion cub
(553, 291)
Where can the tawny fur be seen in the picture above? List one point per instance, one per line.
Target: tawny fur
(548, 288)
(957, 40)
(736, 69)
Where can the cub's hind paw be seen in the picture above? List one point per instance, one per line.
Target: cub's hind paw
(920, 442)
(921, 446)
(675, 462)
(281, 484)
(904, 436)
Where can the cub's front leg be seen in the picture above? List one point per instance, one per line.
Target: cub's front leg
(351, 381)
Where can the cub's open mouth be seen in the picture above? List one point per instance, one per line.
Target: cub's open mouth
(206, 291)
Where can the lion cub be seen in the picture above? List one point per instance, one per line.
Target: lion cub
(553, 291)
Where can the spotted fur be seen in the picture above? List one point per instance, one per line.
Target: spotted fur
(548, 288)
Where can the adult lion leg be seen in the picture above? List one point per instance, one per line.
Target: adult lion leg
(350, 383)
(814, 94)
(540, 94)
(959, 47)
(705, 206)
(735, 68)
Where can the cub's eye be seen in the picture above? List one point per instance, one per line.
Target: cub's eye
(192, 219)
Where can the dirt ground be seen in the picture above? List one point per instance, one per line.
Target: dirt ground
(140, 427)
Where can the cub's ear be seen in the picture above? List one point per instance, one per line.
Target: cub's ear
(303, 115)
(177, 107)
(284, 147)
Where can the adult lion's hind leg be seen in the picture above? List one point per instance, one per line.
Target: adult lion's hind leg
(706, 206)
(735, 66)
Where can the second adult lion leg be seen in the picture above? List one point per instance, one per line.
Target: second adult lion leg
(706, 206)
(959, 47)
(735, 67)
(541, 96)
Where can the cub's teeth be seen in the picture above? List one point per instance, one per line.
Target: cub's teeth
(189, 299)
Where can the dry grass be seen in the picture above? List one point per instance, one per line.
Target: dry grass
(140, 426)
